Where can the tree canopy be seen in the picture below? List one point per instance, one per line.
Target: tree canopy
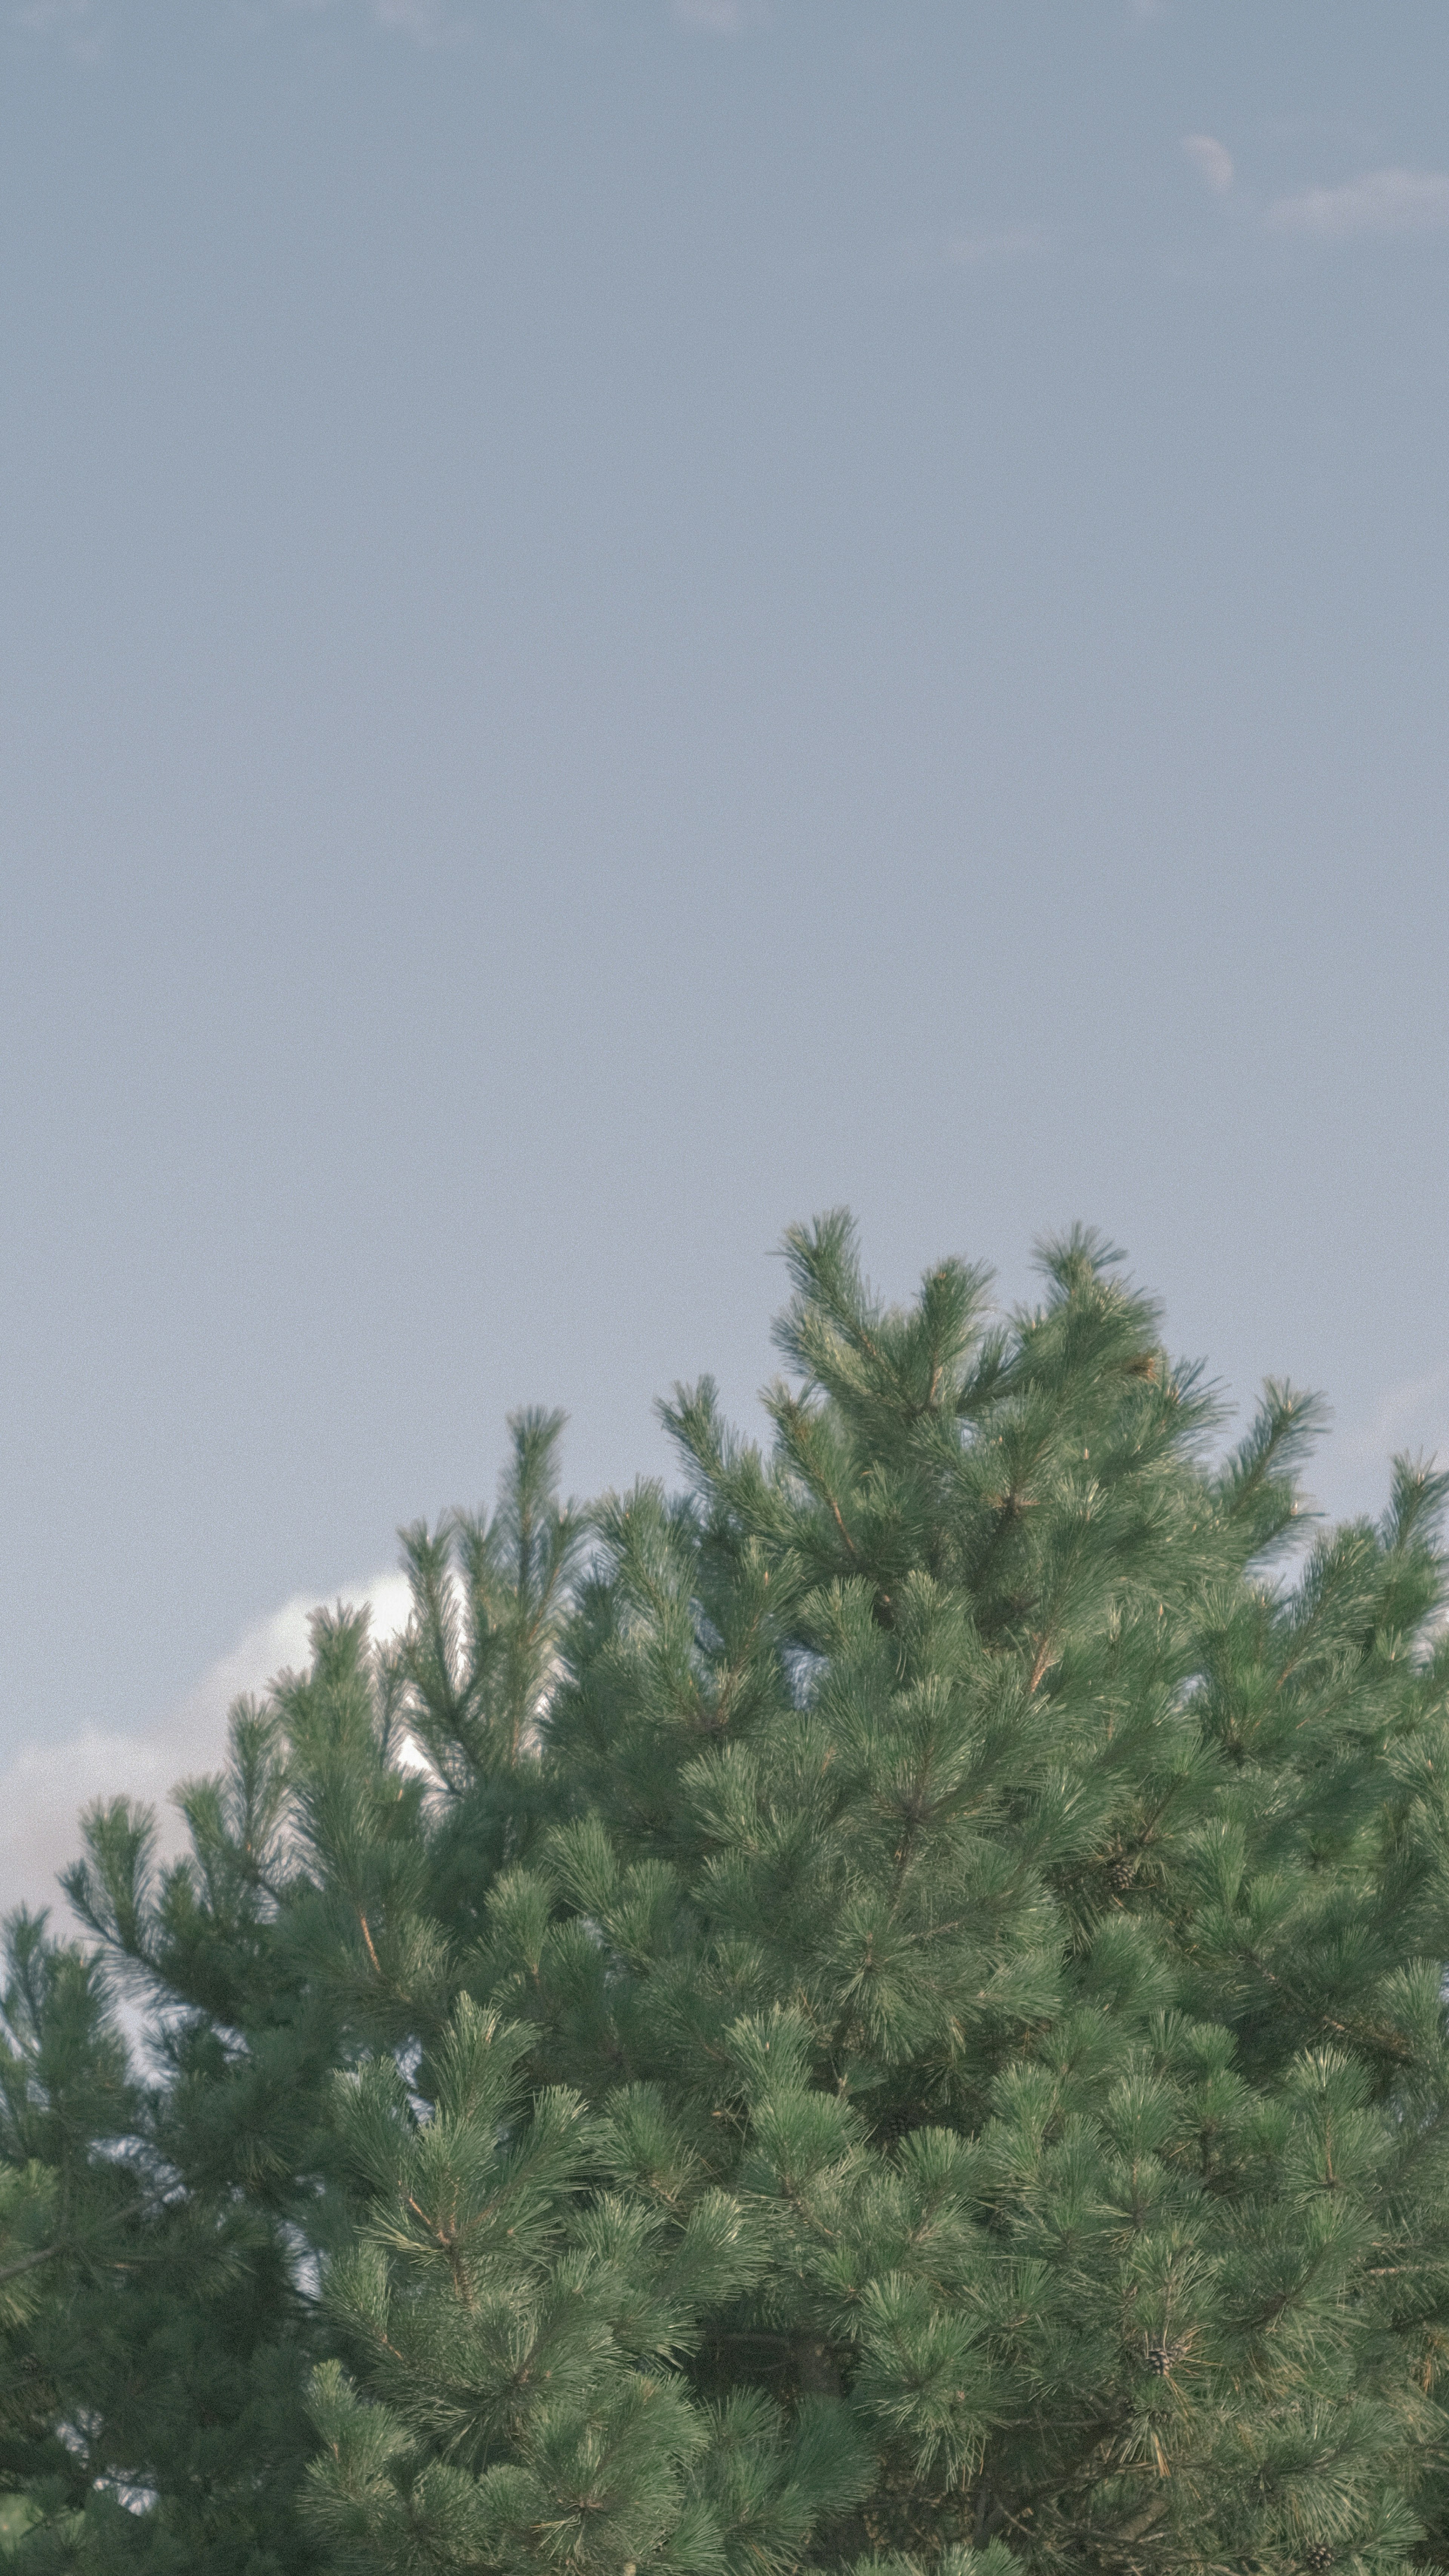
(881, 2009)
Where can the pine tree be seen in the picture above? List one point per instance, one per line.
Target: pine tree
(901, 2024)
(158, 2356)
(1029, 1914)
(155, 2383)
(64, 2215)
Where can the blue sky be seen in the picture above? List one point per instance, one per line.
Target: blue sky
(623, 622)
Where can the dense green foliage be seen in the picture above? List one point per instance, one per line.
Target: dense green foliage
(887, 2007)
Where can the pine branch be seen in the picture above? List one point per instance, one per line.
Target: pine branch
(29, 2263)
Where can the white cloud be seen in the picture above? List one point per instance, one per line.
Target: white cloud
(1380, 204)
(1211, 160)
(45, 1786)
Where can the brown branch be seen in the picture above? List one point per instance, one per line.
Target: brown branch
(1044, 1661)
(839, 1523)
(367, 1936)
(28, 2263)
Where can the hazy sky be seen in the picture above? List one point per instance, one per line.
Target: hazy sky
(623, 622)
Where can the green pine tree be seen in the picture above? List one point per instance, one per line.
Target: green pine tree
(154, 2382)
(901, 2023)
(161, 2236)
(66, 2216)
(1028, 1912)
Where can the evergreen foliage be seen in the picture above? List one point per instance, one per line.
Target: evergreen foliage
(882, 2011)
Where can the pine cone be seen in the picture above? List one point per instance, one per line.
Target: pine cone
(1320, 2555)
(1160, 2359)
